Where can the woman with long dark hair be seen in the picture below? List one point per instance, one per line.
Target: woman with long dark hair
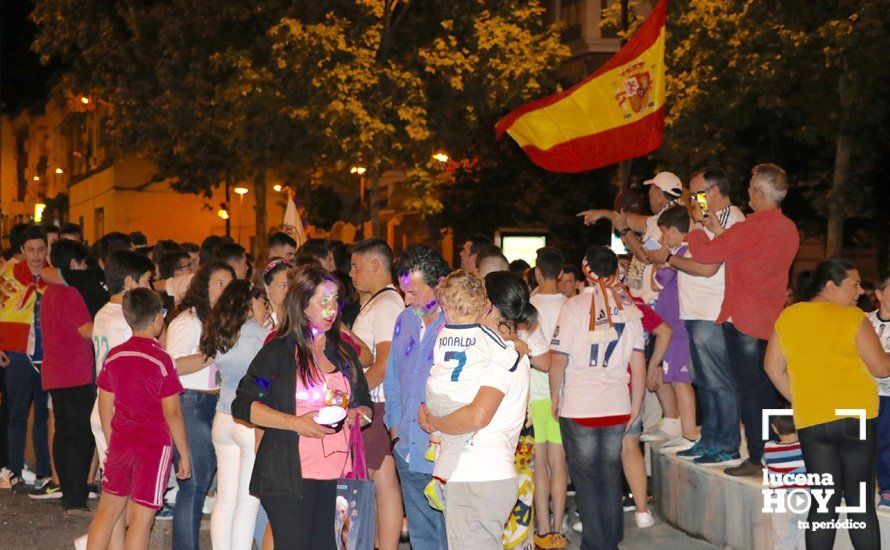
(199, 398)
(274, 277)
(306, 366)
(482, 489)
(823, 356)
(232, 336)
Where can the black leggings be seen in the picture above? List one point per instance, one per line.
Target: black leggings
(306, 522)
(835, 448)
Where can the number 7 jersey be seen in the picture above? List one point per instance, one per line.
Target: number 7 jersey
(467, 357)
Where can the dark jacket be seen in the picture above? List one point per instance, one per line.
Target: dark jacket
(272, 380)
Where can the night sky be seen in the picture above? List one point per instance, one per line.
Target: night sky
(23, 80)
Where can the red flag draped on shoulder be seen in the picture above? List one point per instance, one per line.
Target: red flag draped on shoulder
(615, 114)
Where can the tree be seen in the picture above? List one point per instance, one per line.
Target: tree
(213, 91)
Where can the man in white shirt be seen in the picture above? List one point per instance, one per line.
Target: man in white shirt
(551, 475)
(701, 288)
(371, 272)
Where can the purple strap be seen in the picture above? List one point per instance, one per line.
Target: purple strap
(357, 452)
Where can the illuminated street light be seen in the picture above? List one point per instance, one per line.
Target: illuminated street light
(59, 171)
(241, 191)
(85, 100)
(36, 178)
(277, 188)
(223, 213)
(360, 170)
(38, 212)
(441, 157)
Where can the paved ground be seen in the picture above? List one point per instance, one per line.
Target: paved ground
(27, 523)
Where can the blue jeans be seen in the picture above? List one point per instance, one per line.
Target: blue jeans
(594, 459)
(198, 409)
(714, 386)
(23, 386)
(884, 445)
(753, 386)
(426, 527)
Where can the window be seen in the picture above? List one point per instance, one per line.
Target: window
(99, 224)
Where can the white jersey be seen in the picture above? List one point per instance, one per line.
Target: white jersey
(882, 327)
(548, 306)
(110, 329)
(183, 339)
(375, 324)
(596, 377)
(702, 297)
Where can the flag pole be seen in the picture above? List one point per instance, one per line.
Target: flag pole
(625, 165)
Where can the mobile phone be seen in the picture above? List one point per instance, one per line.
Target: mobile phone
(702, 199)
(651, 244)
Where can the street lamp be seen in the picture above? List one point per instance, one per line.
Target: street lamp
(277, 188)
(360, 172)
(240, 191)
(441, 157)
(59, 171)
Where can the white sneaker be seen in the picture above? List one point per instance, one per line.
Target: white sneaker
(5, 474)
(644, 519)
(678, 444)
(208, 505)
(657, 435)
(80, 543)
(576, 527)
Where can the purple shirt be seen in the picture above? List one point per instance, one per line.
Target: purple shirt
(407, 369)
(668, 308)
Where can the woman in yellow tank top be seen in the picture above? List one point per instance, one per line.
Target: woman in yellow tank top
(823, 356)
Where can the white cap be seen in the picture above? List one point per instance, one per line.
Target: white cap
(667, 182)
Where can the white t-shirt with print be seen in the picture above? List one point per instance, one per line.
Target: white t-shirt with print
(883, 330)
(490, 455)
(183, 338)
(639, 275)
(596, 377)
(110, 329)
(375, 324)
(702, 297)
(548, 306)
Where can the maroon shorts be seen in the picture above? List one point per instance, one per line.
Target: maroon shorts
(139, 472)
(377, 442)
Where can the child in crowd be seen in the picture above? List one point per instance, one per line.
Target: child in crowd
(783, 458)
(140, 411)
(464, 355)
(880, 319)
(674, 224)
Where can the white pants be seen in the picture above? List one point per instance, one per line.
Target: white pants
(98, 434)
(234, 512)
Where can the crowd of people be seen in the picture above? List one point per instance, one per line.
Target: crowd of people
(180, 378)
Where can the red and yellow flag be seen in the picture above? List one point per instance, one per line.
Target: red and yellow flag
(615, 114)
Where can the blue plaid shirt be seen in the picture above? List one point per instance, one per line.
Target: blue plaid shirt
(407, 370)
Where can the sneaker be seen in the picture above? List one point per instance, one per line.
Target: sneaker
(18, 485)
(165, 513)
(45, 489)
(716, 457)
(695, 451)
(551, 541)
(5, 474)
(577, 527)
(28, 476)
(644, 519)
(678, 444)
(435, 494)
(94, 490)
(80, 543)
(746, 468)
(661, 434)
(654, 427)
(78, 512)
(629, 503)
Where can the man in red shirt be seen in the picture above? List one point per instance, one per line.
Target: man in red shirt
(757, 253)
(67, 375)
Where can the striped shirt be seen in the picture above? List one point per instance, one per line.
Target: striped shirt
(782, 459)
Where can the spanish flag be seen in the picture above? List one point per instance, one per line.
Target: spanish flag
(615, 114)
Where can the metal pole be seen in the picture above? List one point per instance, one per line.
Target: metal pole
(240, 216)
(625, 166)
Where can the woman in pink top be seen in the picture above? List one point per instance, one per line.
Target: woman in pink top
(306, 366)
